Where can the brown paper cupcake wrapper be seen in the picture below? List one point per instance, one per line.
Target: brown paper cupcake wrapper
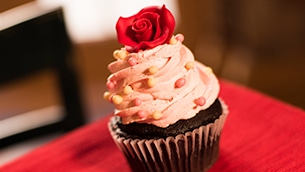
(193, 151)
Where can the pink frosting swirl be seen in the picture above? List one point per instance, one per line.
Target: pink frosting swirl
(160, 86)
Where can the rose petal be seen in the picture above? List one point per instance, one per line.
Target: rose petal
(143, 30)
(125, 33)
(157, 28)
(150, 44)
(168, 20)
(154, 19)
(141, 25)
(146, 36)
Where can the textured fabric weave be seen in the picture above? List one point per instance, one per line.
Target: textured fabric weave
(260, 134)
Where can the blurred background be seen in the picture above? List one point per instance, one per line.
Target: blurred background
(259, 44)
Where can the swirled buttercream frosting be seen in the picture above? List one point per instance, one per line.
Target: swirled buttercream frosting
(160, 85)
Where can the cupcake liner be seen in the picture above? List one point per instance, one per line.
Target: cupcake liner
(192, 151)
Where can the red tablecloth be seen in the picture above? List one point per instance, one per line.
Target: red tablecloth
(260, 134)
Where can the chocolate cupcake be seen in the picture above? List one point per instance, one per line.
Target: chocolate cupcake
(168, 116)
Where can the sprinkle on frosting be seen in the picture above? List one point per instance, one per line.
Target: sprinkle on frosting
(180, 82)
(200, 101)
(137, 102)
(209, 69)
(116, 54)
(110, 84)
(120, 54)
(151, 82)
(179, 37)
(173, 41)
(117, 99)
(127, 89)
(156, 115)
(153, 70)
(141, 114)
(107, 95)
(132, 61)
(189, 65)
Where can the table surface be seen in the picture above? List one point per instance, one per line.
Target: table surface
(260, 134)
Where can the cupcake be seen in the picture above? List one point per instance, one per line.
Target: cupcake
(168, 115)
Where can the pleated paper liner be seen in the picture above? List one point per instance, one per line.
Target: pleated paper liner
(193, 151)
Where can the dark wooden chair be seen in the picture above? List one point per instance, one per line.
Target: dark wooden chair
(34, 44)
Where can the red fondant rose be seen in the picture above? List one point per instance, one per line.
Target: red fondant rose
(150, 27)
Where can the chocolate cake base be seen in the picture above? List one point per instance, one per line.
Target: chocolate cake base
(201, 160)
(149, 131)
(187, 146)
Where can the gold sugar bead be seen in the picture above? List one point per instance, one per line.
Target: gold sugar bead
(151, 82)
(156, 115)
(127, 89)
(189, 65)
(117, 99)
(120, 54)
(173, 41)
(107, 95)
(116, 54)
(153, 70)
(209, 69)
